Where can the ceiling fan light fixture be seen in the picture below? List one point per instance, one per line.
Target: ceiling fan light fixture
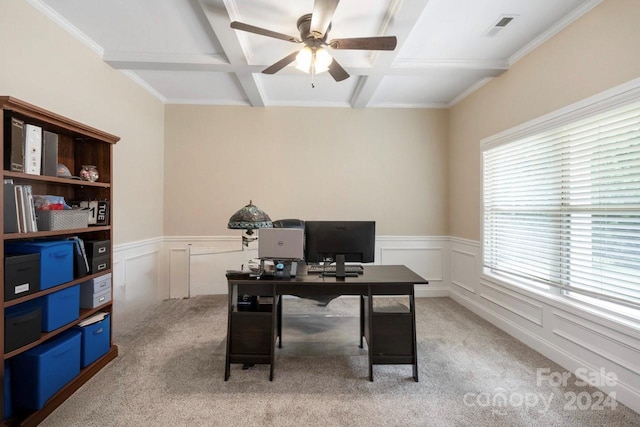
(322, 60)
(303, 59)
(313, 60)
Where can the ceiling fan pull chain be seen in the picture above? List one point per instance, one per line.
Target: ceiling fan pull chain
(313, 68)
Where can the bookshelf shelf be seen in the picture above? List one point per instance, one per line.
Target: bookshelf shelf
(54, 233)
(52, 179)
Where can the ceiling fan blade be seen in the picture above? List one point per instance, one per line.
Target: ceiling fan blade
(322, 15)
(365, 43)
(281, 64)
(337, 72)
(263, 32)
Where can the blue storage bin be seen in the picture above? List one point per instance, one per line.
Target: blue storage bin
(60, 308)
(95, 340)
(56, 259)
(44, 370)
(7, 390)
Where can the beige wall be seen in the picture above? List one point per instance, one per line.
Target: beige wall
(387, 165)
(597, 52)
(44, 65)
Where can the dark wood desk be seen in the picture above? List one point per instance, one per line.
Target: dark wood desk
(391, 336)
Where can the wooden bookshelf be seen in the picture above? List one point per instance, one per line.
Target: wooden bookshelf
(78, 144)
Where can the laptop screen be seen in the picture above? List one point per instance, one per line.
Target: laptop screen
(281, 243)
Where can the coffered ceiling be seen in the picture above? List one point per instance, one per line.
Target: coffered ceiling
(184, 51)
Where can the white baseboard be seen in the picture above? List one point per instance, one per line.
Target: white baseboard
(428, 291)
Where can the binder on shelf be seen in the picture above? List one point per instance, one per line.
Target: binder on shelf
(14, 151)
(30, 209)
(80, 261)
(22, 217)
(25, 208)
(10, 207)
(49, 153)
(32, 149)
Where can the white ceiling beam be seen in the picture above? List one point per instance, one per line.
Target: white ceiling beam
(218, 17)
(401, 18)
(219, 63)
(166, 62)
(407, 65)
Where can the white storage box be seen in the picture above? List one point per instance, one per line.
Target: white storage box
(95, 292)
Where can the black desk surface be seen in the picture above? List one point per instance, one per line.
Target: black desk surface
(373, 274)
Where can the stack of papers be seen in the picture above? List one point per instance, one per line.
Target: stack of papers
(93, 319)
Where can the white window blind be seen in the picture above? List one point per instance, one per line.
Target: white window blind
(562, 207)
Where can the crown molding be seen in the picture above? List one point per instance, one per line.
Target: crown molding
(67, 26)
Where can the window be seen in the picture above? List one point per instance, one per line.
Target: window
(561, 204)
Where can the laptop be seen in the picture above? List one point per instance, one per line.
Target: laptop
(281, 243)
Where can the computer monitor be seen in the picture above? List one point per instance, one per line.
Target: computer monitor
(340, 241)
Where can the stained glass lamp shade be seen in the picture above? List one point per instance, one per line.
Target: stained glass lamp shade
(249, 218)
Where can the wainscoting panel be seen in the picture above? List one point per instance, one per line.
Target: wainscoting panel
(427, 262)
(463, 271)
(505, 300)
(197, 265)
(207, 267)
(136, 280)
(179, 271)
(427, 256)
(621, 350)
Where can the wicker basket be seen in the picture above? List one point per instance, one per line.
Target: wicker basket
(62, 220)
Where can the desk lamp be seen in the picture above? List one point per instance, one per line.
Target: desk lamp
(249, 218)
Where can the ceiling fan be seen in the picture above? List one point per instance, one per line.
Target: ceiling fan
(314, 29)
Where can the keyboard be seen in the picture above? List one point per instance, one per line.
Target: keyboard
(331, 269)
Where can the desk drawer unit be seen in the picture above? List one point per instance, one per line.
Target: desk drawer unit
(251, 334)
(389, 334)
(392, 335)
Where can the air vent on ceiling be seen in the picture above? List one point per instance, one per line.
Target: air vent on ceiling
(499, 25)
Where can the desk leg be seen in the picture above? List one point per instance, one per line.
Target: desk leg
(412, 307)
(274, 319)
(361, 321)
(371, 334)
(227, 365)
(279, 308)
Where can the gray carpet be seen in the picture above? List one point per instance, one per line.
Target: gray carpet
(171, 367)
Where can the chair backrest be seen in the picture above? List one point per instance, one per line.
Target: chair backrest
(288, 223)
